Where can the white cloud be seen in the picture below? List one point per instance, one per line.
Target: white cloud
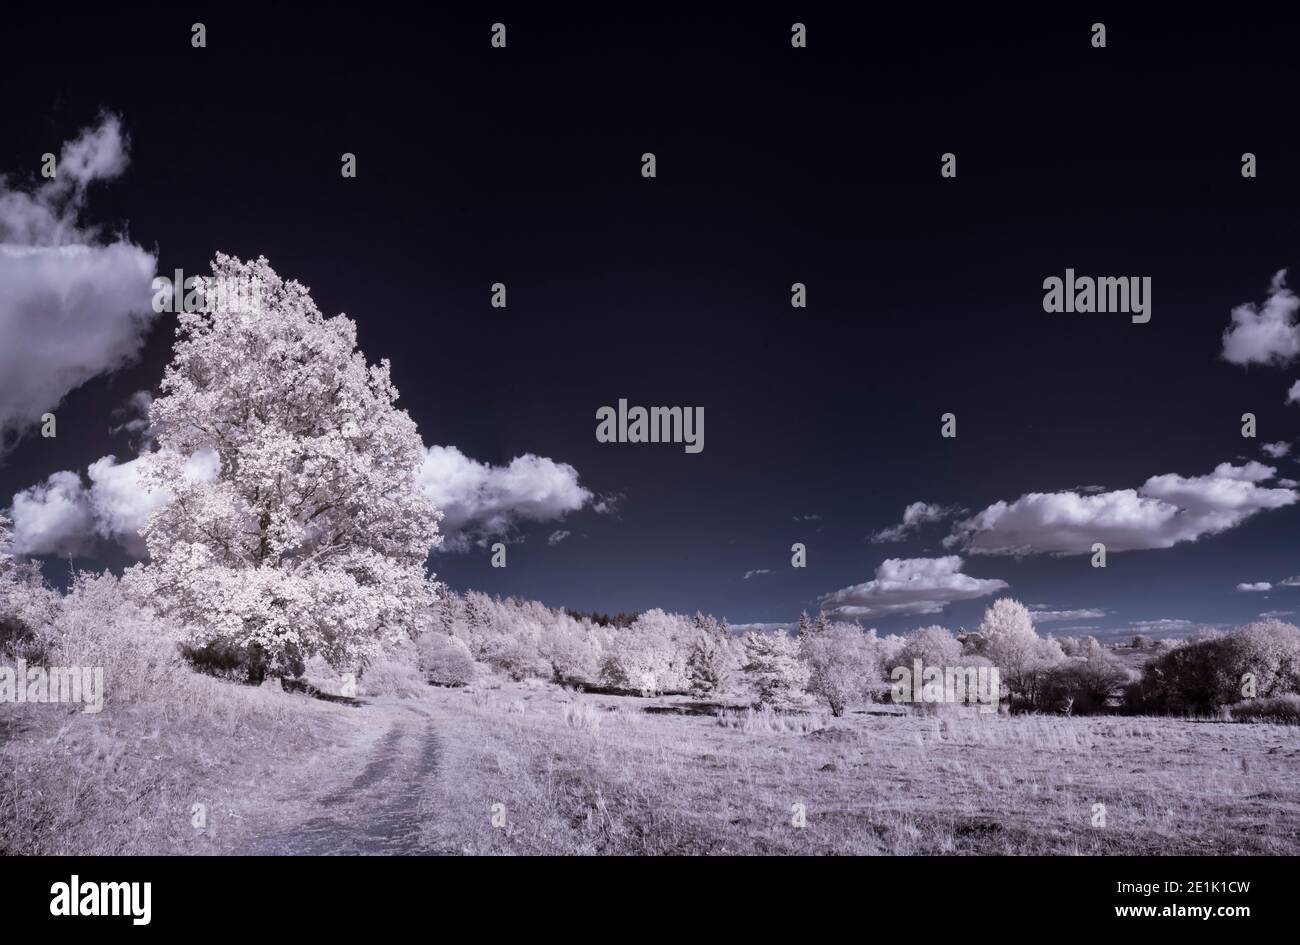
(1290, 582)
(1164, 511)
(53, 517)
(1276, 450)
(1050, 616)
(479, 501)
(1256, 586)
(807, 518)
(1293, 395)
(62, 516)
(1162, 624)
(739, 628)
(136, 422)
(72, 306)
(1265, 334)
(910, 586)
(914, 516)
(756, 572)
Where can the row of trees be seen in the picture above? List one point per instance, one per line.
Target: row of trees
(839, 663)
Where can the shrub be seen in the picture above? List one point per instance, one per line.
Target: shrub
(1205, 675)
(1084, 685)
(1283, 710)
(444, 659)
(391, 675)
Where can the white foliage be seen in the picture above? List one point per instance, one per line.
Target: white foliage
(773, 666)
(312, 536)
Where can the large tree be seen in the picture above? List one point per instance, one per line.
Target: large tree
(294, 524)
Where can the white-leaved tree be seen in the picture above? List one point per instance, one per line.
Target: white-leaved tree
(1007, 637)
(293, 524)
(842, 663)
(772, 664)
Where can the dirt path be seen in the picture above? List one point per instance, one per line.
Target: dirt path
(382, 809)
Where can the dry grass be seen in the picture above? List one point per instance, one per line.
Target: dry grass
(576, 777)
(125, 780)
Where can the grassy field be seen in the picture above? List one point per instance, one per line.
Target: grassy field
(510, 768)
(590, 774)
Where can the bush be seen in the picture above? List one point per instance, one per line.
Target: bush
(1084, 685)
(1205, 675)
(1284, 710)
(250, 664)
(390, 675)
(445, 660)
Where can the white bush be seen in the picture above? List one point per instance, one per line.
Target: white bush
(444, 659)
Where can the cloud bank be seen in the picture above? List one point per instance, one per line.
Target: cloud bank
(1163, 512)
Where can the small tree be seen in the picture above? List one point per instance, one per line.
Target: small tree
(773, 666)
(705, 666)
(842, 665)
(933, 646)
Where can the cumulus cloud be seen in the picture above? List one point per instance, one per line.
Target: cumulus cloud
(1256, 586)
(53, 517)
(910, 586)
(1164, 511)
(73, 306)
(479, 501)
(914, 516)
(1276, 450)
(1293, 395)
(63, 515)
(1290, 582)
(1265, 334)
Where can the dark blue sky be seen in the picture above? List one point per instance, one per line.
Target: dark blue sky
(774, 166)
